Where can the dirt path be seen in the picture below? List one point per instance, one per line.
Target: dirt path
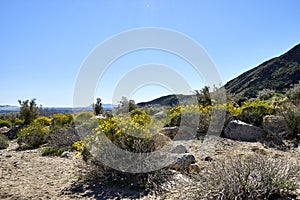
(28, 175)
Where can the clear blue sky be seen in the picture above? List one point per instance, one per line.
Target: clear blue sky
(43, 43)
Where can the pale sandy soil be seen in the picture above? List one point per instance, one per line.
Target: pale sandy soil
(28, 175)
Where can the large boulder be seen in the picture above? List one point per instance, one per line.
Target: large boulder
(276, 126)
(179, 149)
(238, 130)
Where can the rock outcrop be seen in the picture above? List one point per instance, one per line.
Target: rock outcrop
(238, 130)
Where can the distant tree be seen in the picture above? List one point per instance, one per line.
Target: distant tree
(97, 107)
(203, 96)
(28, 110)
(126, 105)
(131, 105)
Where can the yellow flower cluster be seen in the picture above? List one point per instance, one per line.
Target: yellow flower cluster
(44, 121)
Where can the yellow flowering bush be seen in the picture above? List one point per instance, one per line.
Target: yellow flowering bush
(62, 120)
(132, 132)
(6, 123)
(32, 135)
(44, 121)
(190, 115)
(253, 111)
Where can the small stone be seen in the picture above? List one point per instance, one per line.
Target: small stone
(183, 161)
(207, 158)
(66, 154)
(195, 168)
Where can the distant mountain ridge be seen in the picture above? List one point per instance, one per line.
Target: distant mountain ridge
(9, 108)
(278, 73)
(168, 100)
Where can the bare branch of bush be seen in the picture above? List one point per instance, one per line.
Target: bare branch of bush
(250, 177)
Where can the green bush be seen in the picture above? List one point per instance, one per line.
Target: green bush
(32, 135)
(28, 110)
(250, 177)
(53, 151)
(13, 117)
(62, 120)
(173, 116)
(18, 122)
(292, 118)
(4, 143)
(6, 123)
(294, 93)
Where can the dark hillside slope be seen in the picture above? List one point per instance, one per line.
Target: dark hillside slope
(277, 73)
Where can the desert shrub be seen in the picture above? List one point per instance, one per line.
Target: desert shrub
(233, 108)
(13, 117)
(44, 121)
(127, 133)
(292, 117)
(32, 135)
(62, 120)
(53, 151)
(254, 111)
(140, 116)
(127, 181)
(132, 132)
(6, 123)
(18, 122)
(4, 143)
(203, 97)
(173, 116)
(85, 122)
(28, 110)
(81, 148)
(60, 137)
(193, 116)
(10, 116)
(294, 93)
(250, 177)
(84, 116)
(266, 94)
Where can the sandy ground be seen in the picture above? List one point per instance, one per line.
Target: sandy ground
(28, 175)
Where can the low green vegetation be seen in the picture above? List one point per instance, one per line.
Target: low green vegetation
(131, 128)
(53, 151)
(4, 143)
(6, 123)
